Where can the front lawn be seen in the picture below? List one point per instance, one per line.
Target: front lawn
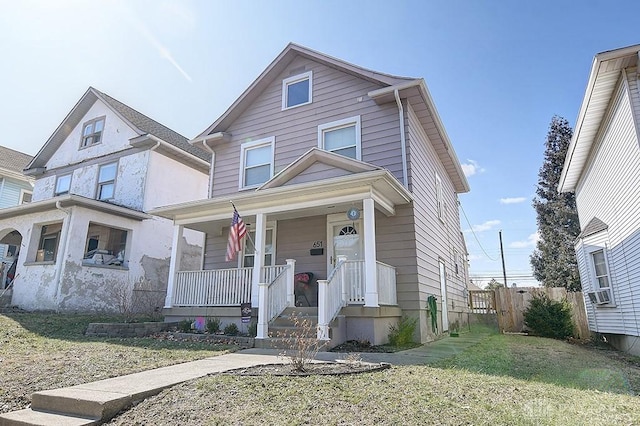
(46, 351)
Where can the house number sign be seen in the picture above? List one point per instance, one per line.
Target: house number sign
(317, 244)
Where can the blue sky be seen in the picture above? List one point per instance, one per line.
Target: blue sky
(497, 70)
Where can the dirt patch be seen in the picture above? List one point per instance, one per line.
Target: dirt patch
(365, 346)
(313, 369)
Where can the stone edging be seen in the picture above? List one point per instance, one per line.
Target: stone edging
(134, 329)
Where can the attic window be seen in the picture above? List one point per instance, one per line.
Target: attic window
(296, 90)
(92, 132)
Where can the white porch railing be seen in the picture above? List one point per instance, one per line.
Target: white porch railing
(275, 295)
(219, 287)
(354, 281)
(332, 295)
(386, 278)
(269, 273)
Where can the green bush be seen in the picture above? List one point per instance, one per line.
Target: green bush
(402, 334)
(231, 329)
(185, 325)
(213, 325)
(549, 318)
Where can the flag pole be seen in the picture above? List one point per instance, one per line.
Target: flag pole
(248, 234)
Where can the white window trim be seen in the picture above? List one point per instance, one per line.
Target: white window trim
(593, 281)
(295, 79)
(92, 123)
(439, 199)
(335, 125)
(115, 181)
(23, 192)
(271, 226)
(251, 145)
(55, 188)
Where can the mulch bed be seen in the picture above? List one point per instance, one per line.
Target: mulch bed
(312, 369)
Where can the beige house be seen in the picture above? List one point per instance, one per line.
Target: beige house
(341, 174)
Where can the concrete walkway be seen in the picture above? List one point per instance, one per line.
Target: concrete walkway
(92, 403)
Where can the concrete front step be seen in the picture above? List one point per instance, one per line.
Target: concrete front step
(40, 418)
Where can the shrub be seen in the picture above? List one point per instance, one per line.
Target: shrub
(253, 328)
(231, 329)
(549, 318)
(213, 325)
(301, 343)
(402, 334)
(185, 326)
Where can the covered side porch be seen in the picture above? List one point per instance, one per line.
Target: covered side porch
(310, 243)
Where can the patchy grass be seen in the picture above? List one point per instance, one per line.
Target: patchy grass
(549, 361)
(47, 351)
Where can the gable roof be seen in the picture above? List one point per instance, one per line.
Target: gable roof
(316, 155)
(603, 78)
(139, 122)
(594, 226)
(278, 65)
(12, 163)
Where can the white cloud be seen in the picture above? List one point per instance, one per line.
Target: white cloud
(512, 200)
(486, 226)
(471, 167)
(529, 242)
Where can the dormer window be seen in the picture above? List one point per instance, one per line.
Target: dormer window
(296, 90)
(92, 132)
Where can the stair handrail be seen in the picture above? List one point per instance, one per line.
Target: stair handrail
(271, 303)
(332, 297)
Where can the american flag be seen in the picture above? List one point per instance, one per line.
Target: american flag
(236, 232)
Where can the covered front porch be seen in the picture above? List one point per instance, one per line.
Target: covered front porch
(295, 230)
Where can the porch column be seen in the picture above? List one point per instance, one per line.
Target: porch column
(258, 258)
(262, 331)
(370, 284)
(174, 265)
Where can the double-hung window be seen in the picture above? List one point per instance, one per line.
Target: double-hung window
(63, 184)
(602, 287)
(256, 162)
(296, 90)
(107, 181)
(341, 137)
(249, 249)
(92, 132)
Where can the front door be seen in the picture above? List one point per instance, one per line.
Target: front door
(343, 239)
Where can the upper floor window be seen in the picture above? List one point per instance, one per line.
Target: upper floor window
(256, 162)
(92, 132)
(341, 137)
(107, 181)
(296, 90)
(63, 184)
(25, 196)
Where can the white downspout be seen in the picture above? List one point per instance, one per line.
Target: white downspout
(64, 237)
(403, 142)
(213, 160)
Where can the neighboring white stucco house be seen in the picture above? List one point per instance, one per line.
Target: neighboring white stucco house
(15, 189)
(86, 239)
(603, 168)
(338, 171)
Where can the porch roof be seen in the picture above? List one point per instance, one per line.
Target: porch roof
(300, 200)
(69, 200)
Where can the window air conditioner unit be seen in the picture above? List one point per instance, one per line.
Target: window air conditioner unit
(604, 296)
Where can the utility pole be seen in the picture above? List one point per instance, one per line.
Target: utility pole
(504, 270)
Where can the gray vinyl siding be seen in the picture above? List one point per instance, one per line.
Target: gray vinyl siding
(336, 95)
(610, 189)
(10, 192)
(215, 251)
(316, 172)
(294, 241)
(435, 239)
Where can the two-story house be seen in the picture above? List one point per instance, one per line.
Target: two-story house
(347, 183)
(86, 239)
(602, 167)
(15, 189)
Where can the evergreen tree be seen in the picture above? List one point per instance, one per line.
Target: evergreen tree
(554, 259)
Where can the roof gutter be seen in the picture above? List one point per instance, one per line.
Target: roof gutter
(159, 142)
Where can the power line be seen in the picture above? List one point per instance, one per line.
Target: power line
(474, 233)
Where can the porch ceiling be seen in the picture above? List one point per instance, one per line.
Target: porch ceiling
(292, 201)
